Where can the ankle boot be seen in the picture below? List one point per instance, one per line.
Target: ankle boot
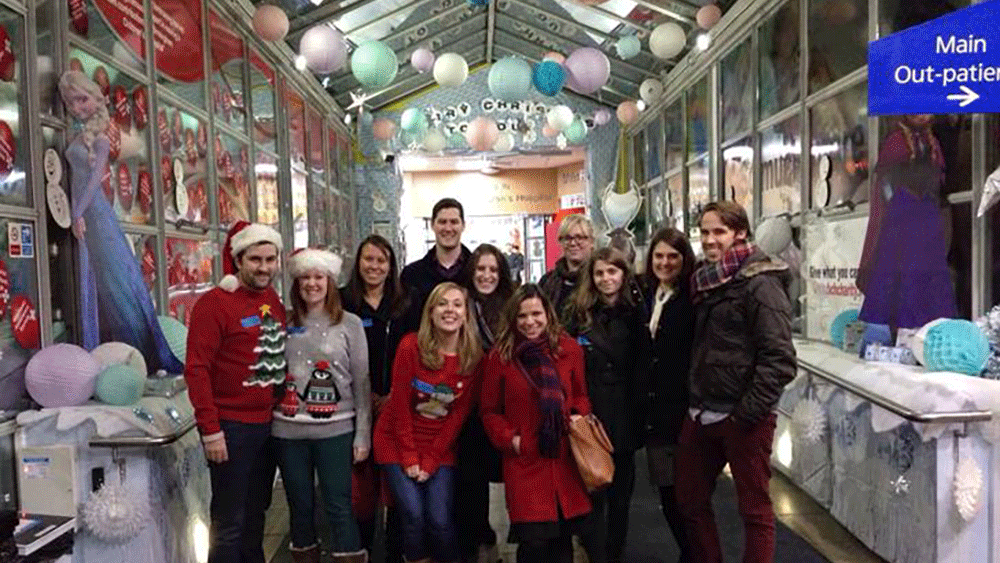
(351, 557)
(488, 554)
(305, 554)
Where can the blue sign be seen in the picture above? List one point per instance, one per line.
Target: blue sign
(947, 65)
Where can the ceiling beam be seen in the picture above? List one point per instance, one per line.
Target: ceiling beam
(403, 31)
(323, 13)
(565, 19)
(670, 12)
(590, 97)
(612, 16)
(491, 23)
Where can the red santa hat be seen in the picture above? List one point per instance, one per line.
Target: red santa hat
(307, 259)
(243, 235)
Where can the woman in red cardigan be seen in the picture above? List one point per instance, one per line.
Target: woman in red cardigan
(435, 376)
(534, 383)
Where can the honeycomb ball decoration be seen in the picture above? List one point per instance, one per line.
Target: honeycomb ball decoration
(559, 117)
(627, 112)
(708, 16)
(120, 385)
(548, 77)
(61, 375)
(374, 65)
(450, 69)
(422, 60)
(482, 133)
(628, 47)
(667, 40)
(176, 334)
(955, 345)
(114, 353)
(839, 325)
(270, 22)
(510, 79)
(323, 48)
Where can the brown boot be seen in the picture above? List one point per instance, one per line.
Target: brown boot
(353, 557)
(305, 555)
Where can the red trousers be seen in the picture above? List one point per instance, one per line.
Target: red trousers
(702, 452)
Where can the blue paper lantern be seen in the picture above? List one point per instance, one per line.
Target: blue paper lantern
(479, 2)
(576, 133)
(120, 385)
(176, 334)
(548, 77)
(840, 323)
(956, 345)
(413, 121)
(457, 141)
(374, 65)
(628, 47)
(510, 79)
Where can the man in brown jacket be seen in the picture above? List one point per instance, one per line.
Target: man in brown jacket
(741, 360)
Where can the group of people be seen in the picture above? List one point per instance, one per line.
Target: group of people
(416, 390)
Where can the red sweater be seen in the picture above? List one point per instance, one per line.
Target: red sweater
(224, 331)
(426, 409)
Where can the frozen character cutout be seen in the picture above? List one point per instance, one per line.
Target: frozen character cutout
(114, 301)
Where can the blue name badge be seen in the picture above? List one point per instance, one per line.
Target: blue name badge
(296, 330)
(367, 323)
(583, 340)
(250, 321)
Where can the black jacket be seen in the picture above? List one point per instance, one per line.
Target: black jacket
(671, 361)
(616, 349)
(384, 329)
(422, 276)
(743, 355)
(558, 284)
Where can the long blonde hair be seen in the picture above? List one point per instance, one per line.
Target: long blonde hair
(97, 124)
(470, 351)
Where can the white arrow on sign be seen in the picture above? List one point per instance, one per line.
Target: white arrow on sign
(965, 98)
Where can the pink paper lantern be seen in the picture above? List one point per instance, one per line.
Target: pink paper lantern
(549, 131)
(482, 133)
(61, 375)
(270, 22)
(602, 117)
(554, 56)
(708, 16)
(589, 70)
(383, 129)
(422, 59)
(627, 112)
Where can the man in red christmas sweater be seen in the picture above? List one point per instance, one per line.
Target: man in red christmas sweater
(235, 357)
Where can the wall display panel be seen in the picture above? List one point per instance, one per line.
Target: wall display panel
(659, 206)
(335, 224)
(179, 49)
(833, 253)
(14, 155)
(738, 159)
(638, 158)
(673, 120)
(347, 232)
(227, 64)
(315, 132)
(232, 166)
(697, 119)
(698, 197)
(839, 151)
(296, 114)
(266, 175)
(19, 316)
(262, 85)
(144, 248)
(640, 225)
(345, 158)
(46, 23)
(60, 290)
(781, 165)
(737, 91)
(654, 139)
(838, 40)
(116, 28)
(779, 60)
(127, 182)
(183, 142)
(675, 200)
(897, 15)
(333, 156)
(189, 274)
(318, 212)
(992, 258)
(300, 208)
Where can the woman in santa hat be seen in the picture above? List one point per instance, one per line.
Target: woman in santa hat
(323, 422)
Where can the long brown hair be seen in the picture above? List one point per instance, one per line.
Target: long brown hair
(586, 295)
(392, 290)
(508, 331)
(332, 305)
(679, 242)
(470, 351)
(493, 303)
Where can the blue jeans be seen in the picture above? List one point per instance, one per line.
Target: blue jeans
(241, 493)
(331, 459)
(426, 513)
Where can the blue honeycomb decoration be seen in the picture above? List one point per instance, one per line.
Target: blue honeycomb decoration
(840, 323)
(956, 345)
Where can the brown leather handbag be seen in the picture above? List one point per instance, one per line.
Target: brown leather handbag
(592, 450)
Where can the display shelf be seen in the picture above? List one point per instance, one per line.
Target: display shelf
(36, 531)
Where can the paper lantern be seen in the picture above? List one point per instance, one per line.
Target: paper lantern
(548, 77)
(708, 16)
(628, 47)
(667, 40)
(589, 68)
(120, 385)
(270, 22)
(510, 79)
(482, 133)
(176, 335)
(456, 141)
(954, 345)
(548, 131)
(61, 375)
(323, 48)
(650, 90)
(383, 129)
(559, 117)
(505, 142)
(576, 133)
(434, 141)
(413, 121)
(479, 3)
(554, 56)
(774, 235)
(602, 116)
(450, 69)
(374, 64)
(627, 112)
(115, 353)
(422, 59)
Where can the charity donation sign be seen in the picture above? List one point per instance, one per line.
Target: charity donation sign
(947, 65)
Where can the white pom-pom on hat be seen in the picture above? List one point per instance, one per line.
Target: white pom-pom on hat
(241, 236)
(308, 259)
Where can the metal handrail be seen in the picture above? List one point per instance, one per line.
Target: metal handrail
(940, 417)
(144, 441)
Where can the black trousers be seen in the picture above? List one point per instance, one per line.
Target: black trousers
(607, 525)
(472, 489)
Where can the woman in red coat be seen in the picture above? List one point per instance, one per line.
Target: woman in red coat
(534, 383)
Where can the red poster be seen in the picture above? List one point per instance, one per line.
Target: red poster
(122, 106)
(78, 16)
(7, 60)
(166, 174)
(115, 140)
(190, 148)
(7, 150)
(109, 190)
(164, 129)
(148, 263)
(4, 288)
(145, 190)
(124, 187)
(140, 107)
(24, 323)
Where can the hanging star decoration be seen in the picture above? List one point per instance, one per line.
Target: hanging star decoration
(900, 486)
(358, 100)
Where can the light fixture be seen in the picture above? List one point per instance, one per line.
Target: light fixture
(641, 105)
(347, 119)
(703, 41)
(300, 63)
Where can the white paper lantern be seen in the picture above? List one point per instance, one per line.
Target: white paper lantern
(667, 40)
(505, 142)
(450, 69)
(650, 90)
(434, 141)
(115, 353)
(559, 117)
(323, 48)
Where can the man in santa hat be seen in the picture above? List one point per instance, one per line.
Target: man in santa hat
(235, 358)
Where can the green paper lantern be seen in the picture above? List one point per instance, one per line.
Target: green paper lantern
(120, 385)
(510, 79)
(576, 133)
(374, 65)
(413, 121)
(176, 334)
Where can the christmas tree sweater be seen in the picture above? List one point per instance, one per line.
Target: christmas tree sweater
(328, 392)
(425, 412)
(235, 355)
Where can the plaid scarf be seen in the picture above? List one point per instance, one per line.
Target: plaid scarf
(534, 358)
(711, 275)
